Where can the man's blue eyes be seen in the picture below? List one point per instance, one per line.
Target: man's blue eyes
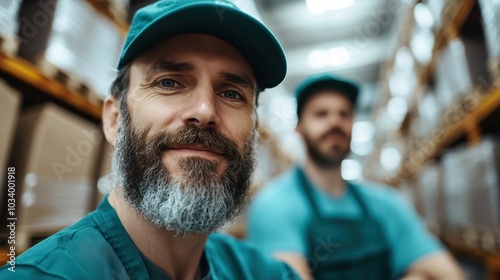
(231, 94)
(167, 83)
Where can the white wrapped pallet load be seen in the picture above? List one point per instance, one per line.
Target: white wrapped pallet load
(484, 197)
(8, 17)
(9, 25)
(429, 116)
(472, 185)
(436, 9)
(456, 188)
(490, 11)
(85, 44)
(430, 186)
(461, 66)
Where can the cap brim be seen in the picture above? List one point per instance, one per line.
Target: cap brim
(255, 42)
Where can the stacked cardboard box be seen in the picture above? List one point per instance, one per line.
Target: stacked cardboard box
(10, 101)
(55, 155)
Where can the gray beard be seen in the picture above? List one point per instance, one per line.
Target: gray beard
(193, 202)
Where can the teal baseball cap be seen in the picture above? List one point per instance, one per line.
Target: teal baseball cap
(220, 18)
(317, 83)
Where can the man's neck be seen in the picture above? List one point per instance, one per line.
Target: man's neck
(176, 255)
(327, 178)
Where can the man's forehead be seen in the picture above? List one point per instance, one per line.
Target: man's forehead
(319, 97)
(171, 49)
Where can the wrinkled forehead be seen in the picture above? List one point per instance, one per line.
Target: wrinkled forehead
(185, 52)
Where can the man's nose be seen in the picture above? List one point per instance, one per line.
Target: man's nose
(334, 119)
(202, 109)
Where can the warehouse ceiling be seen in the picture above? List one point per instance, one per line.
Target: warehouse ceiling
(348, 37)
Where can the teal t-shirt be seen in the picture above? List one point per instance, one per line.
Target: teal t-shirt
(279, 214)
(98, 247)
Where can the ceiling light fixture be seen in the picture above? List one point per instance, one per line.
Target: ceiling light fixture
(337, 56)
(321, 6)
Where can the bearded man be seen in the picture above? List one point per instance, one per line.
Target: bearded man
(328, 228)
(182, 120)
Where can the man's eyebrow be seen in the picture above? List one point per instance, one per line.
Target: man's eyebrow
(168, 66)
(241, 80)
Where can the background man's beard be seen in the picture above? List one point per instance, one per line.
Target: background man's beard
(332, 160)
(194, 202)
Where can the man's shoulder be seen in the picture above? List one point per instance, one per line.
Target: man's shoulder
(281, 188)
(379, 194)
(224, 245)
(64, 252)
(275, 198)
(237, 259)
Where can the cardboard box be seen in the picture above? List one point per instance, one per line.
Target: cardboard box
(10, 102)
(55, 155)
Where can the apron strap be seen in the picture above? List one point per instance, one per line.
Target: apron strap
(307, 188)
(359, 199)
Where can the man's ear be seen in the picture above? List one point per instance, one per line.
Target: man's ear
(110, 119)
(298, 128)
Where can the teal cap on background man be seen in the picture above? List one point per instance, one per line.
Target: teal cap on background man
(220, 18)
(314, 84)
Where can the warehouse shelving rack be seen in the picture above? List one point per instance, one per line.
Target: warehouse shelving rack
(467, 114)
(29, 76)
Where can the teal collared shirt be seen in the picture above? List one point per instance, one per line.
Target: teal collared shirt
(98, 247)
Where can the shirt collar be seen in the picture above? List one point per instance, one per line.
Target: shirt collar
(133, 260)
(112, 229)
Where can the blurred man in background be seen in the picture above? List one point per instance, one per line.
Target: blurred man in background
(182, 119)
(327, 228)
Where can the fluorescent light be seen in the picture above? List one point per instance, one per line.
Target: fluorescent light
(421, 45)
(351, 169)
(321, 6)
(390, 157)
(423, 16)
(397, 108)
(337, 56)
(317, 59)
(362, 148)
(362, 131)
